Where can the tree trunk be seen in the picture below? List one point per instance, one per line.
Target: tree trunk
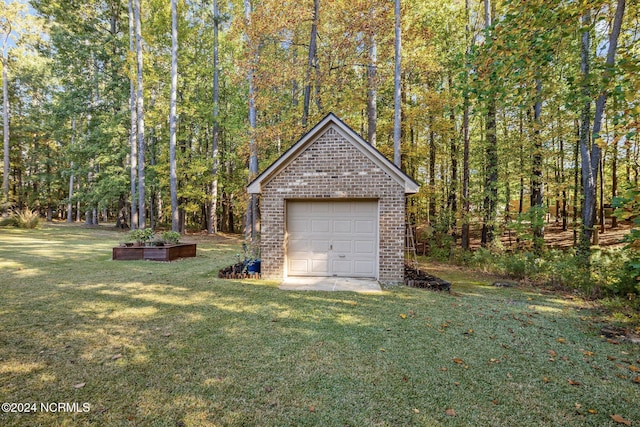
(5, 118)
(614, 180)
(142, 219)
(173, 173)
(312, 61)
(212, 223)
(537, 187)
(372, 87)
(397, 122)
(133, 130)
(591, 152)
(251, 223)
(465, 238)
(72, 176)
(432, 170)
(491, 179)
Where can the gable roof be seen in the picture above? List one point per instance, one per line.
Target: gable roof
(330, 120)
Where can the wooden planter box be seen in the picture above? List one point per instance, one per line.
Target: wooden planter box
(154, 253)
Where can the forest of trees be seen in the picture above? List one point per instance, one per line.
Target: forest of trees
(158, 113)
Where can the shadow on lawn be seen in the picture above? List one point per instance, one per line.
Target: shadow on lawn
(168, 343)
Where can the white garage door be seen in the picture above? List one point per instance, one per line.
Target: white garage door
(330, 238)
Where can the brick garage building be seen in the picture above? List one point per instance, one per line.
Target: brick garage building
(333, 205)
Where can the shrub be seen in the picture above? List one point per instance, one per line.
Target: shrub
(25, 218)
(142, 236)
(171, 237)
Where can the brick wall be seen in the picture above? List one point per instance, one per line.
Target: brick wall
(332, 168)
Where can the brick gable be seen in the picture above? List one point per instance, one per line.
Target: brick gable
(333, 168)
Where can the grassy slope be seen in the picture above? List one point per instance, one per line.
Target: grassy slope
(170, 344)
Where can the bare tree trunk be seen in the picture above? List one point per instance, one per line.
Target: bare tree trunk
(465, 239)
(142, 219)
(252, 208)
(312, 62)
(614, 181)
(591, 152)
(5, 116)
(372, 86)
(173, 173)
(133, 132)
(537, 185)
(491, 179)
(72, 177)
(212, 223)
(397, 95)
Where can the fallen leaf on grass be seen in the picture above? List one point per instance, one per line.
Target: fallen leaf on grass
(561, 340)
(403, 316)
(545, 380)
(611, 358)
(588, 353)
(572, 382)
(592, 411)
(552, 353)
(79, 385)
(458, 360)
(636, 380)
(416, 410)
(617, 418)
(634, 368)
(116, 356)
(450, 412)
(312, 409)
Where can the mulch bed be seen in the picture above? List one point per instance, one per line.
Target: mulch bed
(236, 271)
(416, 278)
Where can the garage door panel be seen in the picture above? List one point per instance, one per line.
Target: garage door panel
(341, 268)
(364, 247)
(298, 266)
(320, 225)
(366, 267)
(365, 227)
(332, 238)
(297, 246)
(320, 267)
(298, 226)
(342, 246)
(342, 226)
(320, 246)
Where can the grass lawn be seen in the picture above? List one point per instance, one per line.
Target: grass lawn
(147, 343)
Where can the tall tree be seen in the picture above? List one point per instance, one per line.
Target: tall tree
(372, 84)
(397, 90)
(173, 173)
(491, 150)
(212, 226)
(590, 153)
(252, 208)
(133, 129)
(142, 218)
(312, 61)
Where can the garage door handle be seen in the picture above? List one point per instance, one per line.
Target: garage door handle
(341, 256)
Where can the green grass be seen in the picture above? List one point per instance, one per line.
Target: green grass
(170, 344)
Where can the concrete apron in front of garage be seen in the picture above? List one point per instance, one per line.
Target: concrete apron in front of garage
(330, 284)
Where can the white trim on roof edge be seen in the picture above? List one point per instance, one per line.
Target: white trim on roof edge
(410, 186)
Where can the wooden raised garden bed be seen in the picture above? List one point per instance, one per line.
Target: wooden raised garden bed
(154, 253)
